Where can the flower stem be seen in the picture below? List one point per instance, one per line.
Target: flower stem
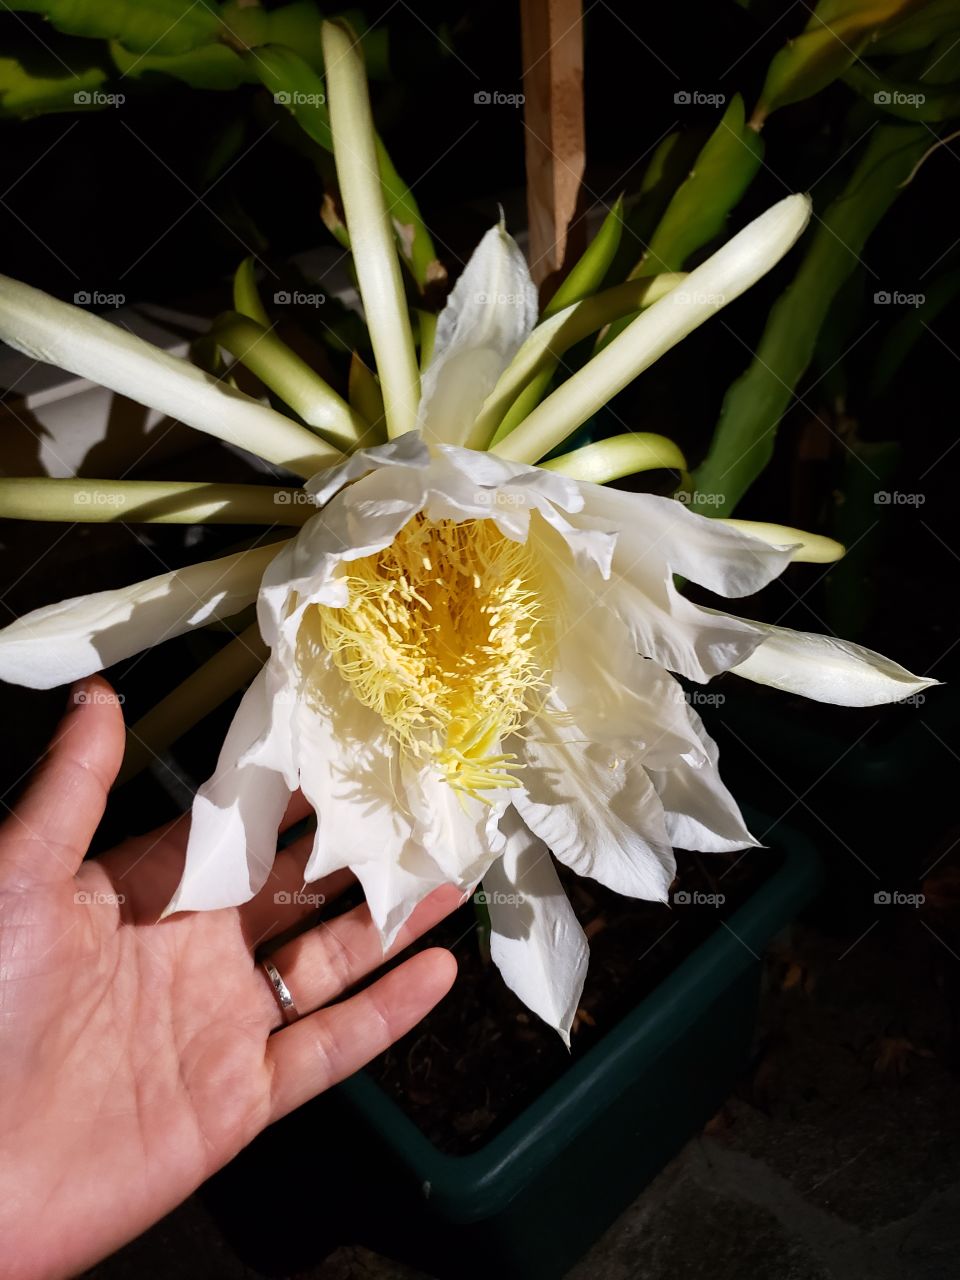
(718, 281)
(370, 227)
(261, 351)
(619, 456)
(151, 502)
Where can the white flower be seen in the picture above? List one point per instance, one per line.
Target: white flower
(470, 656)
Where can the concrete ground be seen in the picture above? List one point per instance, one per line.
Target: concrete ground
(835, 1159)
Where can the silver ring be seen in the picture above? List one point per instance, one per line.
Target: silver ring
(288, 1006)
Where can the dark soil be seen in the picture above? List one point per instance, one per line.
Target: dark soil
(480, 1057)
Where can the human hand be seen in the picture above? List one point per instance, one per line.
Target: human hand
(136, 1054)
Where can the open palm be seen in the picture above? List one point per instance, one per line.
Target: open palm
(136, 1053)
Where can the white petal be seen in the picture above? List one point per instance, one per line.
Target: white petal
(46, 329)
(485, 321)
(663, 625)
(349, 775)
(405, 451)
(461, 833)
(828, 669)
(62, 642)
(535, 941)
(653, 530)
(596, 809)
(700, 812)
(236, 815)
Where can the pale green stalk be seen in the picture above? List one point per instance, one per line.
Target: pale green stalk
(202, 692)
(246, 295)
(151, 502)
(586, 275)
(539, 357)
(428, 333)
(371, 230)
(619, 456)
(721, 279)
(367, 399)
(278, 367)
(813, 548)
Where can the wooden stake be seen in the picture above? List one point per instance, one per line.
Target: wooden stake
(552, 32)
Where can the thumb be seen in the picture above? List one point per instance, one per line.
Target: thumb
(49, 830)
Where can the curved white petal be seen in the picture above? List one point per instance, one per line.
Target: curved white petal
(535, 939)
(653, 531)
(699, 811)
(828, 669)
(348, 772)
(62, 642)
(595, 808)
(236, 815)
(46, 329)
(460, 833)
(486, 319)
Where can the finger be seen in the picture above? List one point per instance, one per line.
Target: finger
(324, 962)
(49, 831)
(317, 1052)
(286, 901)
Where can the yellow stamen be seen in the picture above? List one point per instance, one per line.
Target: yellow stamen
(446, 635)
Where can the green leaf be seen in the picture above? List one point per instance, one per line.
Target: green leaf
(155, 26)
(837, 32)
(38, 85)
(754, 405)
(907, 99)
(699, 209)
(210, 66)
(587, 274)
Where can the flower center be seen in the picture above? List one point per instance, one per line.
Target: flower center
(446, 635)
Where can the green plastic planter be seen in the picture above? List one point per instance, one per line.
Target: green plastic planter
(533, 1199)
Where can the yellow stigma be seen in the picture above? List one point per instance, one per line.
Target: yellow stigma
(446, 636)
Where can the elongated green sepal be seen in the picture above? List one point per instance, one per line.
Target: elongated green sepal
(246, 295)
(721, 279)
(366, 399)
(264, 353)
(370, 229)
(586, 275)
(539, 357)
(619, 456)
(813, 548)
(151, 502)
